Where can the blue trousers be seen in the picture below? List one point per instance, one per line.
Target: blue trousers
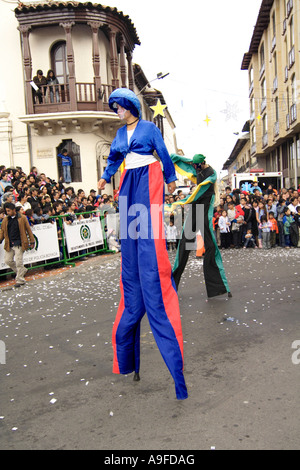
(67, 173)
(146, 281)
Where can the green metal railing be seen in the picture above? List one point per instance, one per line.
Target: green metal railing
(67, 260)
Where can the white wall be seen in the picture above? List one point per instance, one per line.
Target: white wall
(12, 97)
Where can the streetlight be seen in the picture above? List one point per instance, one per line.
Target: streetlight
(159, 76)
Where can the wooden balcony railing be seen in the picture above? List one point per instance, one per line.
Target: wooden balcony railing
(58, 98)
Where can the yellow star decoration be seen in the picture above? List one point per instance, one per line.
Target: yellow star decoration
(207, 120)
(258, 117)
(158, 108)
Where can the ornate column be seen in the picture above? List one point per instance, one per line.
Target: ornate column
(95, 25)
(130, 71)
(71, 65)
(114, 57)
(123, 62)
(24, 30)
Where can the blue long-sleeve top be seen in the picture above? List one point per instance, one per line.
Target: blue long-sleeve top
(65, 160)
(145, 140)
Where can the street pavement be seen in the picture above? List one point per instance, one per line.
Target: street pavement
(241, 362)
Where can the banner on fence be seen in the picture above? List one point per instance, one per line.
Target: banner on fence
(113, 223)
(83, 234)
(46, 245)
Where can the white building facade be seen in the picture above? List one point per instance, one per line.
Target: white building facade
(90, 48)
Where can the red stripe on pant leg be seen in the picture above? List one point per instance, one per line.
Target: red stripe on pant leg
(169, 294)
(120, 311)
(121, 307)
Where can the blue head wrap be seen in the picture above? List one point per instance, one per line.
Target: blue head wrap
(127, 99)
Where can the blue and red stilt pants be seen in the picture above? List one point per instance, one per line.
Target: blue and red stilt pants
(146, 281)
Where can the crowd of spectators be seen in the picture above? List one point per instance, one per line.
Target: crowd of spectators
(249, 219)
(40, 198)
(259, 219)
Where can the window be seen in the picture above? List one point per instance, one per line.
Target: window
(294, 89)
(74, 152)
(253, 135)
(59, 62)
(274, 24)
(263, 96)
(265, 124)
(275, 65)
(262, 57)
(252, 108)
(292, 37)
(251, 77)
(276, 110)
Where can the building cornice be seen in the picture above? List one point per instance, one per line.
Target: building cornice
(52, 13)
(262, 23)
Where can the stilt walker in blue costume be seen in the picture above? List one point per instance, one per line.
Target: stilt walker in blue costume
(202, 174)
(146, 281)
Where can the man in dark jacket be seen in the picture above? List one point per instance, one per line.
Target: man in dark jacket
(33, 199)
(40, 82)
(15, 230)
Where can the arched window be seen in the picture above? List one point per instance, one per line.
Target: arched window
(59, 62)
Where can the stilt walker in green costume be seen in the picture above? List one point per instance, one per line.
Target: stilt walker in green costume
(205, 177)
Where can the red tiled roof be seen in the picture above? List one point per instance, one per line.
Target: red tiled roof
(72, 5)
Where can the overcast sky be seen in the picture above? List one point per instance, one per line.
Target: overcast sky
(201, 44)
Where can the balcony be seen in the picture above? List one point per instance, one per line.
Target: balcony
(73, 25)
(59, 99)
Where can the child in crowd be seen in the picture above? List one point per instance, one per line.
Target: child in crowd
(265, 227)
(113, 243)
(280, 214)
(224, 226)
(274, 229)
(288, 219)
(249, 240)
(236, 229)
(171, 235)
